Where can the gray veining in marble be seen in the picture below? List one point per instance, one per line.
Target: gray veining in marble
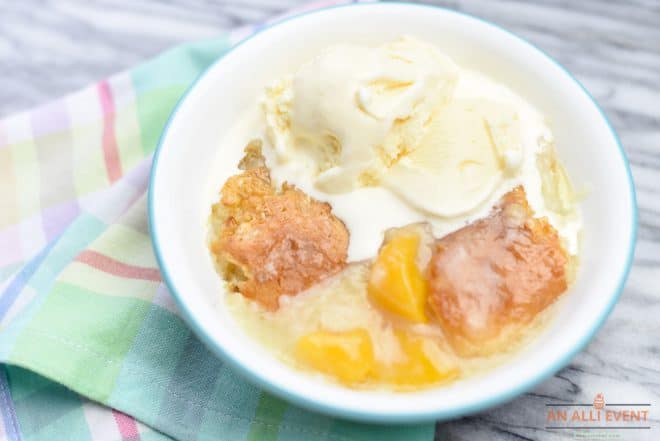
(48, 48)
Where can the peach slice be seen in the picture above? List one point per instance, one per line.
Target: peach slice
(396, 283)
(424, 364)
(347, 356)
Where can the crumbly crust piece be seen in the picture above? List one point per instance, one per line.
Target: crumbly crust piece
(492, 277)
(270, 243)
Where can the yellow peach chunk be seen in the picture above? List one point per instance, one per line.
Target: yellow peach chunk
(347, 356)
(395, 282)
(425, 364)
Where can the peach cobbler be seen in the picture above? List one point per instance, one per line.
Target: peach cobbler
(396, 221)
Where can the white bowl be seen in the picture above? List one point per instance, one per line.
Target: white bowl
(182, 190)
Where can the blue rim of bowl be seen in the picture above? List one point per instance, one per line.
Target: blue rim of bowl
(337, 410)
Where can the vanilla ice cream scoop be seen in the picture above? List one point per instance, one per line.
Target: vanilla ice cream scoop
(397, 134)
(353, 110)
(361, 116)
(467, 149)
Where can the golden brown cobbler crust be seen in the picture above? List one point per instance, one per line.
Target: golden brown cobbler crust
(491, 277)
(272, 242)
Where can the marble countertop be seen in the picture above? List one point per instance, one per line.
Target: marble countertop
(49, 48)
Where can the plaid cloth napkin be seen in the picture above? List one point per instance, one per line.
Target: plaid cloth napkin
(84, 315)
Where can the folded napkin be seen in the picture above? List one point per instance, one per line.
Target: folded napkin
(85, 319)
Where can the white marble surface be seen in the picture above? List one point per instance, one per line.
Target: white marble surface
(48, 48)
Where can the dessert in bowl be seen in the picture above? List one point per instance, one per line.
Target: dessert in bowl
(408, 224)
(477, 232)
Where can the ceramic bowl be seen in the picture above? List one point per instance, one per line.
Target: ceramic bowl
(182, 189)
